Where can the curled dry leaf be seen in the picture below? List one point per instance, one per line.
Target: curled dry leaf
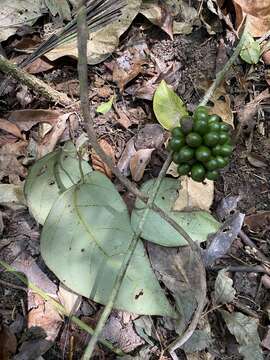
(128, 66)
(258, 15)
(26, 119)
(158, 13)
(258, 222)
(8, 342)
(194, 195)
(38, 66)
(98, 164)
(257, 161)
(138, 163)
(10, 128)
(123, 163)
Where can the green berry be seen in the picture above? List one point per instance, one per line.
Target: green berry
(212, 164)
(177, 132)
(216, 150)
(214, 126)
(200, 127)
(186, 124)
(224, 127)
(201, 113)
(211, 139)
(185, 154)
(176, 144)
(203, 153)
(198, 172)
(183, 169)
(193, 139)
(223, 137)
(214, 118)
(221, 162)
(226, 150)
(212, 175)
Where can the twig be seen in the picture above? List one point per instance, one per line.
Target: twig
(58, 306)
(221, 74)
(246, 240)
(33, 82)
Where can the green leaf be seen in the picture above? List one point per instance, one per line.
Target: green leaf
(251, 50)
(224, 291)
(168, 107)
(244, 328)
(106, 106)
(198, 224)
(84, 240)
(199, 341)
(49, 176)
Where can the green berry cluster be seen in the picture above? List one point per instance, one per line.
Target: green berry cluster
(201, 145)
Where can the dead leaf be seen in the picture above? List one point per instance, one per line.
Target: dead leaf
(10, 128)
(247, 113)
(10, 166)
(122, 118)
(258, 222)
(257, 161)
(223, 109)
(138, 163)
(69, 299)
(258, 15)
(38, 66)
(194, 195)
(150, 136)
(50, 140)
(158, 13)
(123, 163)
(98, 164)
(173, 170)
(128, 66)
(26, 119)
(8, 342)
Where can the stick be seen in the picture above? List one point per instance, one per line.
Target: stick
(33, 82)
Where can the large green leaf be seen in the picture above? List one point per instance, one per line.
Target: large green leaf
(84, 240)
(198, 224)
(251, 50)
(50, 176)
(168, 107)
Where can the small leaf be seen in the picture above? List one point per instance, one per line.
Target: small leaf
(89, 225)
(244, 329)
(198, 224)
(168, 106)
(106, 106)
(57, 169)
(251, 50)
(224, 291)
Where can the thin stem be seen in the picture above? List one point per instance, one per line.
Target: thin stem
(221, 74)
(60, 308)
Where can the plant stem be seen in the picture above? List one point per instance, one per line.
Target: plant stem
(221, 74)
(57, 306)
(33, 82)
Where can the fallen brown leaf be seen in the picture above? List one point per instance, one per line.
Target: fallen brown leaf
(258, 15)
(50, 140)
(39, 66)
(128, 66)
(194, 195)
(258, 222)
(138, 163)
(159, 14)
(10, 128)
(98, 164)
(123, 163)
(8, 342)
(26, 119)
(10, 166)
(257, 161)
(122, 118)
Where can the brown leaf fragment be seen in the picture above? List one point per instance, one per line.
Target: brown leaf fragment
(10, 166)
(122, 118)
(128, 66)
(10, 128)
(138, 163)
(258, 222)
(8, 342)
(258, 15)
(98, 164)
(123, 163)
(26, 119)
(38, 66)
(257, 161)
(150, 136)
